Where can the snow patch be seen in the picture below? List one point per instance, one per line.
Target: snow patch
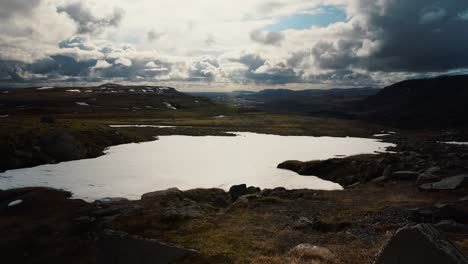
(74, 91)
(155, 126)
(15, 202)
(82, 104)
(169, 105)
(455, 143)
(45, 88)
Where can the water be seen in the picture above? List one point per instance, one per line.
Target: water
(190, 162)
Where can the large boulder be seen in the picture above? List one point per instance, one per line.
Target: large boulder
(450, 183)
(420, 244)
(120, 248)
(170, 191)
(237, 190)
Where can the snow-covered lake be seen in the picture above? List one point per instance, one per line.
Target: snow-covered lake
(190, 162)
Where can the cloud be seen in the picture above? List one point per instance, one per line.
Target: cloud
(17, 7)
(432, 15)
(87, 22)
(267, 37)
(153, 35)
(378, 43)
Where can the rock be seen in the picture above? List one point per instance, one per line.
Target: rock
(427, 177)
(387, 171)
(248, 197)
(309, 251)
(450, 183)
(432, 170)
(405, 175)
(379, 179)
(451, 226)
(85, 220)
(237, 190)
(120, 248)
(437, 213)
(161, 193)
(253, 189)
(183, 212)
(419, 244)
(353, 185)
(124, 209)
(109, 200)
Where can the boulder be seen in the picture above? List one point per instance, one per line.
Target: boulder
(161, 193)
(438, 212)
(419, 244)
(237, 190)
(405, 175)
(427, 177)
(451, 226)
(118, 209)
(450, 183)
(387, 171)
(120, 248)
(432, 170)
(183, 212)
(109, 200)
(309, 251)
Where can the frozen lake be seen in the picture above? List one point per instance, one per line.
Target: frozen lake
(190, 162)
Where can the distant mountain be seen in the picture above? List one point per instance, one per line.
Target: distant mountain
(440, 101)
(110, 85)
(334, 102)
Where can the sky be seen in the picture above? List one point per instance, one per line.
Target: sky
(222, 45)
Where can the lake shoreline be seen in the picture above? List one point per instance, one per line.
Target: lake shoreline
(353, 223)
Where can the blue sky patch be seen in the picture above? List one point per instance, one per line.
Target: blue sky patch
(329, 15)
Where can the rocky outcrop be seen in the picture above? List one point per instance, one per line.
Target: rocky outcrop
(451, 183)
(420, 244)
(121, 248)
(237, 191)
(173, 191)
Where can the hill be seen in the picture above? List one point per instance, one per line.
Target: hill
(432, 102)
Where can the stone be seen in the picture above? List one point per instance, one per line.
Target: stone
(379, 179)
(419, 244)
(427, 177)
(109, 200)
(237, 190)
(115, 247)
(450, 183)
(405, 175)
(432, 170)
(387, 171)
(309, 251)
(452, 226)
(161, 193)
(121, 209)
(252, 190)
(183, 212)
(248, 197)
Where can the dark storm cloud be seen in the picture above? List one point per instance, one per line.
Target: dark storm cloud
(9, 8)
(87, 22)
(410, 36)
(267, 37)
